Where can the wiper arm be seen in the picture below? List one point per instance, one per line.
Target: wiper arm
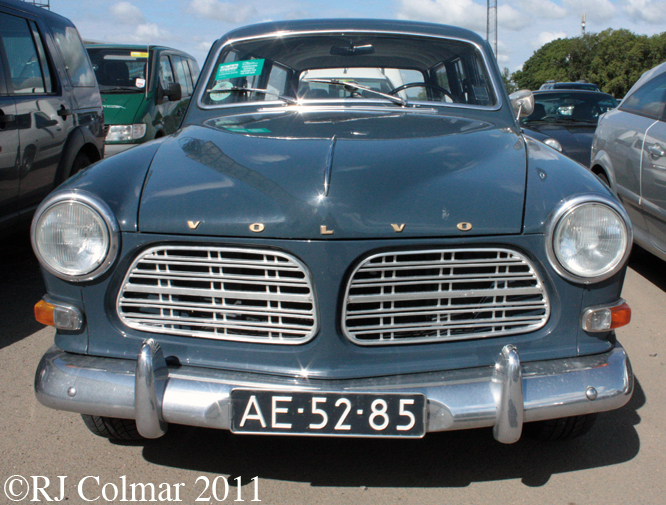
(242, 89)
(352, 86)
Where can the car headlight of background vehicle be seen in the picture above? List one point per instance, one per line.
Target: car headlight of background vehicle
(589, 239)
(75, 236)
(118, 133)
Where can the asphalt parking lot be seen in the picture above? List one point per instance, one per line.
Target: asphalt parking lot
(622, 460)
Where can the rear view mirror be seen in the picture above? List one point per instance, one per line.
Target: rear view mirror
(522, 102)
(173, 92)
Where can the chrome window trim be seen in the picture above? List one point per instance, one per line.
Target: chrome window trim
(425, 340)
(191, 334)
(282, 34)
(97, 205)
(570, 204)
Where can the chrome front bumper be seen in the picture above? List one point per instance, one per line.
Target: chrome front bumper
(504, 396)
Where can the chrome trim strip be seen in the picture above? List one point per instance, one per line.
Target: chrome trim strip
(561, 210)
(457, 399)
(97, 205)
(329, 165)
(282, 34)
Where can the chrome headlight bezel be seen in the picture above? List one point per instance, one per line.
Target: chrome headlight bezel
(107, 217)
(564, 209)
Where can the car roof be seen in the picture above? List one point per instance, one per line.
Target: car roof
(367, 25)
(34, 10)
(133, 47)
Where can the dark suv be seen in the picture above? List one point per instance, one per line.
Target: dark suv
(51, 119)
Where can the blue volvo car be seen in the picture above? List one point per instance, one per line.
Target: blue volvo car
(348, 236)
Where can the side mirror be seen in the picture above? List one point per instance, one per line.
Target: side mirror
(173, 92)
(522, 102)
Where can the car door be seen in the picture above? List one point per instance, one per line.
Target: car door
(653, 183)
(638, 114)
(9, 155)
(42, 130)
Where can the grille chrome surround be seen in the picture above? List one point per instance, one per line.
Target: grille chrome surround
(221, 293)
(443, 295)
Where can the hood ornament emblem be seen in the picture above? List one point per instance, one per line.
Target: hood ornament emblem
(325, 231)
(464, 226)
(193, 224)
(257, 227)
(398, 227)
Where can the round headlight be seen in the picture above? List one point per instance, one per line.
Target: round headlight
(590, 241)
(74, 236)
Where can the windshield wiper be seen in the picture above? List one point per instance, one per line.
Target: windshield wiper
(352, 86)
(242, 89)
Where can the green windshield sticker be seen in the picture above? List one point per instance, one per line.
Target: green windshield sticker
(239, 69)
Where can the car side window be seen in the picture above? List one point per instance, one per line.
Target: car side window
(649, 99)
(77, 63)
(166, 73)
(183, 76)
(194, 70)
(25, 64)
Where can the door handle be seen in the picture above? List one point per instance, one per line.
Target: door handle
(656, 151)
(64, 112)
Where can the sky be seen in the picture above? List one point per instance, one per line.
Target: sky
(523, 26)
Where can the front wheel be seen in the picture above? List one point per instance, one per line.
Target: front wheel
(564, 428)
(112, 428)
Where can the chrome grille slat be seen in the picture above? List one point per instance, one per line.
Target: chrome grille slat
(440, 295)
(220, 309)
(245, 295)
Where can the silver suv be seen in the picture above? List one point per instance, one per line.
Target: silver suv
(629, 154)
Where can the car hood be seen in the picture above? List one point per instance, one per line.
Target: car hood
(336, 174)
(120, 108)
(576, 138)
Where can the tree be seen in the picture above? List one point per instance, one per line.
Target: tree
(612, 59)
(508, 81)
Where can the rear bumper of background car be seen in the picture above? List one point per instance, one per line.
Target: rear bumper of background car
(503, 396)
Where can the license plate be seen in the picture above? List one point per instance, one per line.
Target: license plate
(328, 414)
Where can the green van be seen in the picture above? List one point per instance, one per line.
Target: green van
(145, 91)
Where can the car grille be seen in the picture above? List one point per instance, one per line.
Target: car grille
(443, 295)
(220, 293)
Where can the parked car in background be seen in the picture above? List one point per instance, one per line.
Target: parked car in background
(584, 85)
(51, 119)
(355, 264)
(629, 154)
(145, 91)
(566, 120)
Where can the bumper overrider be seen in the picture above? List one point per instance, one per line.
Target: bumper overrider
(503, 396)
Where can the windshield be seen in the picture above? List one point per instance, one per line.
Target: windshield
(570, 107)
(316, 67)
(120, 70)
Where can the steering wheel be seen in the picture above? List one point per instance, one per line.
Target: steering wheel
(423, 85)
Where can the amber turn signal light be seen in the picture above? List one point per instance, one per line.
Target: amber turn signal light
(605, 318)
(620, 315)
(62, 316)
(44, 313)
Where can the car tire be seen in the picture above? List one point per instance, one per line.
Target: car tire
(603, 178)
(80, 162)
(112, 428)
(564, 428)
